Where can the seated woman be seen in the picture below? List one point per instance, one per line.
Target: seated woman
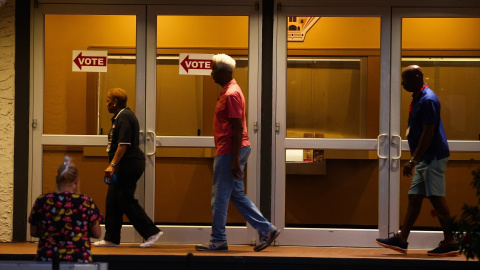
(64, 221)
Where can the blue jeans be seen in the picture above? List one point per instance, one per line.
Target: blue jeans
(225, 188)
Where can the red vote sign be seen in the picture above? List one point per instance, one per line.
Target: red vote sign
(89, 61)
(195, 64)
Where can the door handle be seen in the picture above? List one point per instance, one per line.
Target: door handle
(154, 146)
(399, 146)
(378, 146)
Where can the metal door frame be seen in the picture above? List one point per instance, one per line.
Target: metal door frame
(330, 236)
(418, 239)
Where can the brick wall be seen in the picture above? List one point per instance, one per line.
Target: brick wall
(7, 116)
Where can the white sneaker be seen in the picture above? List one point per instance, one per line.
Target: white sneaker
(152, 239)
(104, 243)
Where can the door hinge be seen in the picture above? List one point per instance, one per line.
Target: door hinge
(34, 123)
(255, 126)
(277, 126)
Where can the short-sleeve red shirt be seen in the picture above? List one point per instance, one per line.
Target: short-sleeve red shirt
(230, 104)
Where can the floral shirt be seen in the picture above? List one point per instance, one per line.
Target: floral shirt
(63, 221)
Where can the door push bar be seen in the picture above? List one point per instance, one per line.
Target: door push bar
(399, 146)
(378, 146)
(154, 146)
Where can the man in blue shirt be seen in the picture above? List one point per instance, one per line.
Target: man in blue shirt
(430, 152)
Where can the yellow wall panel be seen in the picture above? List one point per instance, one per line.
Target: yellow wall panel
(441, 33)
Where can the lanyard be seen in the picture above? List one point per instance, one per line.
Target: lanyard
(414, 99)
(124, 109)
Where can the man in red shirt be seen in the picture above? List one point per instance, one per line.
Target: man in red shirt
(232, 149)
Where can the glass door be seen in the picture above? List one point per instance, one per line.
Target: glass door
(69, 91)
(180, 146)
(332, 134)
(142, 45)
(443, 43)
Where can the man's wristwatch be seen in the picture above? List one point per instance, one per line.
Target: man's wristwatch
(412, 160)
(113, 164)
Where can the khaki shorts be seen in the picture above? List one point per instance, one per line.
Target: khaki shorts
(429, 178)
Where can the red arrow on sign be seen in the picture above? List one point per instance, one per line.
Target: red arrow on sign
(188, 63)
(91, 61)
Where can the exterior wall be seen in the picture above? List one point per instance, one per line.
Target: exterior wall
(7, 80)
(7, 116)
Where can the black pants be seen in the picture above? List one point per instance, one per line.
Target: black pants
(121, 200)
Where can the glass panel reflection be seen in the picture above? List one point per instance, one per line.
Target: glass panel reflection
(455, 82)
(326, 96)
(186, 103)
(74, 102)
(183, 187)
(337, 197)
(458, 177)
(333, 91)
(448, 55)
(91, 163)
(333, 76)
(185, 106)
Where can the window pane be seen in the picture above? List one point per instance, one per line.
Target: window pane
(333, 77)
(185, 106)
(448, 55)
(326, 96)
(454, 81)
(91, 163)
(458, 176)
(183, 187)
(319, 183)
(333, 91)
(74, 102)
(186, 103)
(197, 96)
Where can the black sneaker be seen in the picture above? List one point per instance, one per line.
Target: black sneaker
(394, 243)
(212, 246)
(444, 249)
(267, 240)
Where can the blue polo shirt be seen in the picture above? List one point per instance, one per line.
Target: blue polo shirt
(426, 111)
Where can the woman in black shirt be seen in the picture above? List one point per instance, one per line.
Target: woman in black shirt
(127, 161)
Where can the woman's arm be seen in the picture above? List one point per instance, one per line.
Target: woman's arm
(34, 231)
(96, 231)
(121, 149)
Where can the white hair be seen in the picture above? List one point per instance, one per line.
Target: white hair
(223, 62)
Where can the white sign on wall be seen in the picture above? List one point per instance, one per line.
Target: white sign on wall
(89, 61)
(195, 64)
